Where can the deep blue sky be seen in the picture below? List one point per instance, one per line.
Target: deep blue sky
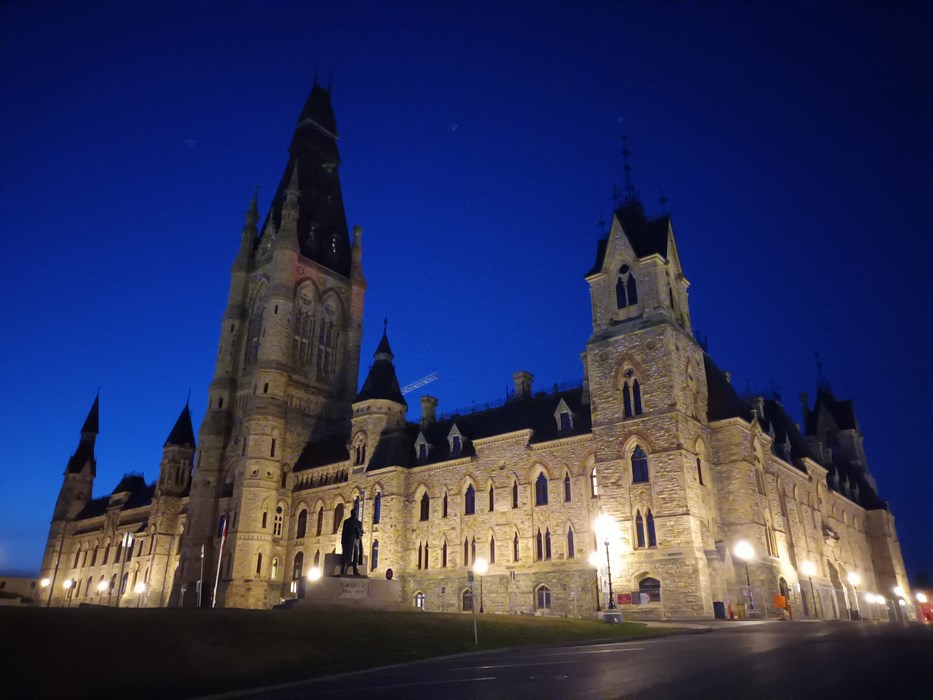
(480, 145)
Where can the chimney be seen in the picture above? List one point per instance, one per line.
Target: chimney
(523, 382)
(728, 376)
(804, 405)
(428, 410)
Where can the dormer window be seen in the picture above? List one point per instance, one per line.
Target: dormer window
(455, 446)
(455, 439)
(564, 417)
(421, 447)
(626, 288)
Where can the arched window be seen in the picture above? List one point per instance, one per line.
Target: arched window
(639, 530)
(631, 394)
(277, 521)
(466, 551)
(87, 588)
(264, 519)
(594, 484)
(492, 549)
(77, 557)
(425, 506)
(444, 506)
(759, 480)
(320, 521)
(275, 569)
(570, 547)
(377, 508)
(542, 598)
(444, 555)
(426, 555)
(302, 524)
(514, 494)
(492, 498)
(651, 588)
(541, 490)
(303, 328)
(327, 342)
(466, 600)
(639, 465)
(652, 539)
(317, 558)
(298, 567)
(123, 582)
(420, 555)
(539, 546)
(566, 488)
(259, 563)
(113, 583)
(106, 553)
(626, 288)
(473, 551)
(515, 549)
(419, 600)
(547, 543)
(374, 557)
(338, 518)
(254, 330)
(456, 446)
(700, 470)
(469, 501)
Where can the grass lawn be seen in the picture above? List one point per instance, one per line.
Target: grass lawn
(101, 652)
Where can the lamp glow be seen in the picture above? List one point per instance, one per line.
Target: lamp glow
(314, 573)
(921, 598)
(880, 599)
(45, 582)
(854, 579)
(899, 592)
(743, 550)
(604, 525)
(102, 586)
(68, 584)
(808, 568)
(595, 560)
(869, 597)
(139, 588)
(480, 566)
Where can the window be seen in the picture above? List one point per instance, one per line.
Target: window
(650, 588)
(106, 553)
(265, 517)
(565, 421)
(298, 566)
(541, 490)
(419, 600)
(277, 521)
(338, 518)
(639, 466)
(303, 324)
(374, 557)
(275, 569)
(422, 451)
(570, 547)
(492, 549)
(444, 555)
(327, 347)
(547, 544)
(359, 453)
(631, 394)
(466, 599)
(320, 521)
(317, 558)
(466, 551)
(492, 498)
(566, 488)
(639, 530)
(425, 506)
(420, 555)
(473, 551)
(514, 494)
(123, 582)
(700, 470)
(455, 445)
(377, 508)
(259, 563)
(539, 546)
(652, 538)
(253, 333)
(594, 484)
(113, 583)
(759, 480)
(626, 288)
(444, 506)
(272, 449)
(77, 557)
(515, 550)
(302, 524)
(542, 598)
(87, 588)
(469, 501)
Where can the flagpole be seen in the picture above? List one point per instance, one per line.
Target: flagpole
(201, 577)
(220, 556)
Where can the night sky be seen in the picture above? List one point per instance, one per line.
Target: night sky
(480, 147)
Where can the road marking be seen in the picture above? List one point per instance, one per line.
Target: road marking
(542, 663)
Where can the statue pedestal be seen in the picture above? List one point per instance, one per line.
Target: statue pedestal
(332, 565)
(353, 591)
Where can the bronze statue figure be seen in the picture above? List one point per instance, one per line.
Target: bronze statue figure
(351, 540)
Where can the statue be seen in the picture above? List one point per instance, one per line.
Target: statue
(351, 540)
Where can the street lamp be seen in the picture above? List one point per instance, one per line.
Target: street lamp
(854, 581)
(899, 592)
(595, 562)
(809, 568)
(744, 551)
(126, 545)
(139, 589)
(921, 598)
(68, 583)
(480, 566)
(603, 530)
(314, 574)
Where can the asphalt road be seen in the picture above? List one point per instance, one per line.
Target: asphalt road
(773, 660)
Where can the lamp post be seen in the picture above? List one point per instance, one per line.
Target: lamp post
(595, 562)
(744, 551)
(899, 592)
(101, 587)
(67, 584)
(45, 583)
(809, 568)
(480, 566)
(139, 589)
(854, 581)
(125, 545)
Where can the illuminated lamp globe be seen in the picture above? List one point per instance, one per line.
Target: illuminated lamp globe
(743, 550)
(854, 579)
(102, 586)
(595, 559)
(139, 588)
(68, 584)
(480, 566)
(869, 597)
(45, 582)
(899, 592)
(808, 568)
(921, 598)
(314, 573)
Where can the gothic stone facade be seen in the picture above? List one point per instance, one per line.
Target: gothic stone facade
(655, 443)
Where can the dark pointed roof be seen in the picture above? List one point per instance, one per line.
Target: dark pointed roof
(841, 412)
(647, 237)
(130, 483)
(322, 223)
(381, 382)
(92, 422)
(777, 420)
(722, 400)
(182, 434)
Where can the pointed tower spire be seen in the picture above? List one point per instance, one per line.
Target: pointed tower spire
(381, 382)
(182, 434)
(248, 237)
(84, 454)
(92, 422)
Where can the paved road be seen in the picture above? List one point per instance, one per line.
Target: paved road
(775, 660)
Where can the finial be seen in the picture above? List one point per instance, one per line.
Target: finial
(188, 400)
(385, 325)
(630, 194)
(821, 381)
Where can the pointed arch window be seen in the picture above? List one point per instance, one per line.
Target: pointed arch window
(639, 466)
(327, 348)
(444, 555)
(377, 508)
(492, 498)
(338, 518)
(539, 546)
(259, 563)
(426, 551)
(473, 550)
(320, 522)
(467, 600)
(277, 521)
(542, 598)
(566, 488)
(466, 551)
(652, 538)
(631, 394)
(541, 490)
(594, 483)
(298, 566)
(425, 506)
(317, 558)
(359, 450)
(374, 557)
(626, 288)
(444, 506)
(303, 331)
(700, 470)
(515, 549)
(254, 331)
(639, 530)
(492, 549)
(570, 548)
(302, 524)
(547, 543)
(469, 501)
(419, 556)
(275, 569)
(514, 494)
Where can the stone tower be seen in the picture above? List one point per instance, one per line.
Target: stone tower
(648, 399)
(286, 368)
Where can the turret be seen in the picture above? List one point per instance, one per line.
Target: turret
(177, 456)
(81, 470)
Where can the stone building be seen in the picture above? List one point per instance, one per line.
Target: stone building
(654, 444)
